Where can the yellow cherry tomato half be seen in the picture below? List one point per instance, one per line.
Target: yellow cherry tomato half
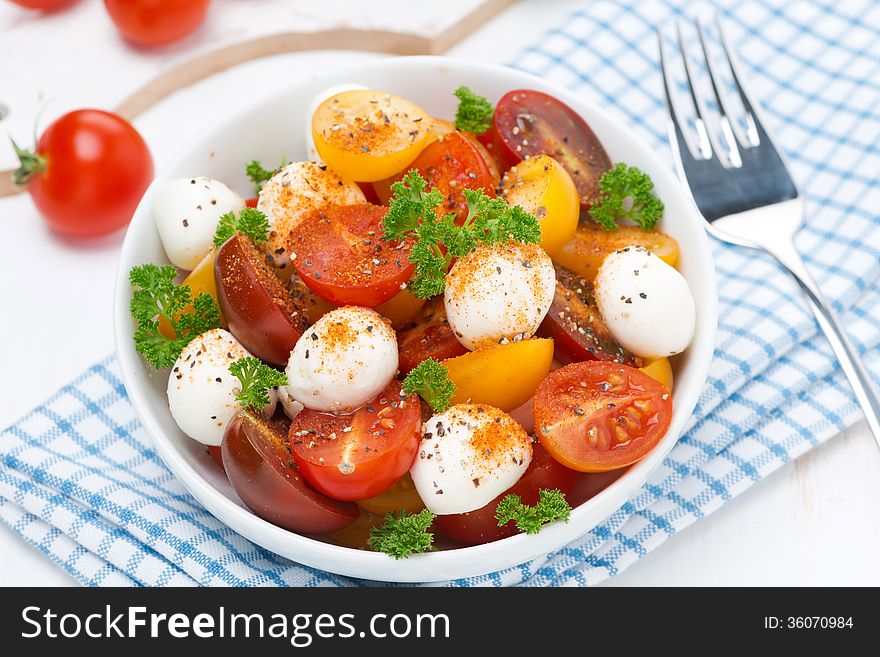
(504, 376)
(369, 135)
(659, 369)
(357, 534)
(545, 189)
(401, 309)
(590, 244)
(401, 496)
(201, 279)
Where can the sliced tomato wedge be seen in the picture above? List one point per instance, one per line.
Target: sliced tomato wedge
(596, 416)
(577, 327)
(481, 526)
(340, 254)
(451, 164)
(428, 337)
(357, 456)
(528, 123)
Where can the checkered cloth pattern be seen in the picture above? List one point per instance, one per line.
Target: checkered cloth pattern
(80, 481)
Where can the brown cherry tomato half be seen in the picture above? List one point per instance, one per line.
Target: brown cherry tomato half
(528, 123)
(577, 327)
(260, 469)
(340, 254)
(451, 164)
(428, 337)
(596, 416)
(481, 526)
(357, 456)
(258, 308)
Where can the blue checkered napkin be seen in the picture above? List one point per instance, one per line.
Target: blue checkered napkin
(80, 481)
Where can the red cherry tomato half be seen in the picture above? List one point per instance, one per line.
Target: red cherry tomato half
(252, 201)
(260, 311)
(88, 175)
(481, 526)
(216, 454)
(156, 22)
(42, 4)
(451, 163)
(428, 337)
(258, 464)
(357, 456)
(596, 416)
(577, 328)
(528, 123)
(340, 254)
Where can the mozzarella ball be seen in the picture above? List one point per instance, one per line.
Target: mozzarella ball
(468, 456)
(288, 402)
(646, 304)
(320, 97)
(295, 191)
(499, 293)
(201, 390)
(186, 212)
(343, 361)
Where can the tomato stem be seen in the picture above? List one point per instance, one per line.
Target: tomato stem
(30, 165)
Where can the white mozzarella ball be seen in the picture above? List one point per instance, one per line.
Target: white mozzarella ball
(343, 361)
(201, 389)
(646, 304)
(186, 212)
(468, 456)
(295, 191)
(320, 97)
(291, 407)
(499, 293)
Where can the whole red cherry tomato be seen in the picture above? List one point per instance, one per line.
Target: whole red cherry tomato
(156, 22)
(88, 173)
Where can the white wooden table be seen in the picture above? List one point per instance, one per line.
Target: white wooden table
(815, 522)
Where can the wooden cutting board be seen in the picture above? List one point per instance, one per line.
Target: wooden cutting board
(221, 59)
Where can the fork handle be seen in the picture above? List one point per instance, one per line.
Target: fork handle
(850, 360)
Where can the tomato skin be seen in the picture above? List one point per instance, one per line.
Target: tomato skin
(156, 22)
(257, 463)
(528, 123)
(596, 416)
(43, 5)
(217, 454)
(428, 337)
(451, 163)
(255, 303)
(577, 327)
(336, 252)
(97, 169)
(362, 461)
(252, 201)
(481, 526)
(400, 496)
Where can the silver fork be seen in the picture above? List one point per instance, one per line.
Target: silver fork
(743, 190)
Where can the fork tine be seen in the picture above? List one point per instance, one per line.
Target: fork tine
(728, 130)
(755, 131)
(704, 143)
(677, 139)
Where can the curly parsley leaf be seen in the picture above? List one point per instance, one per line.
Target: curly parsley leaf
(551, 506)
(474, 112)
(403, 534)
(250, 221)
(256, 379)
(627, 194)
(413, 214)
(259, 175)
(157, 296)
(430, 380)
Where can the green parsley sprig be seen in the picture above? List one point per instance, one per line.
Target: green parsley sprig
(626, 194)
(412, 213)
(259, 175)
(157, 296)
(474, 112)
(430, 380)
(249, 221)
(551, 506)
(256, 379)
(403, 534)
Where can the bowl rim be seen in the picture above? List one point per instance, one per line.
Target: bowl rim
(417, 568)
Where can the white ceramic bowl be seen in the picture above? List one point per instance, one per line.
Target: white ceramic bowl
(274, 126)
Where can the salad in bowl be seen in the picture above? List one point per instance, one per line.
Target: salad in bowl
(427, 329)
